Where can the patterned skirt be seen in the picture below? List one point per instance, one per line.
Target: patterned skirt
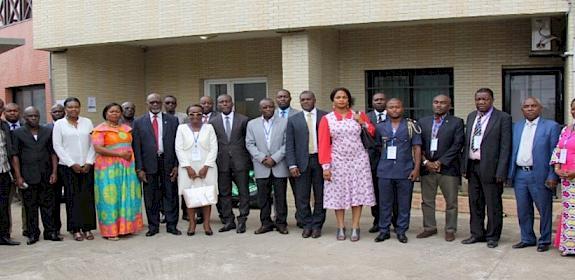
(565, 238)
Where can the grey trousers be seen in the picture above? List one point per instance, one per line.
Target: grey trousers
(449, 188)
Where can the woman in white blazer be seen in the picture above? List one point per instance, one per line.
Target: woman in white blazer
(197, 150)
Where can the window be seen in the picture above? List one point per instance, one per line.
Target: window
(13, 11)
(545, 84)
(415, 87)
(246, 93)
(31, 96)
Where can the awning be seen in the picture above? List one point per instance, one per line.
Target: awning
(7, 44)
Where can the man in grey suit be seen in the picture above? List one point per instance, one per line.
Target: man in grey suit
(486, 159)
(266, 143)
(233, 163)
(285, 111)
(302, 160)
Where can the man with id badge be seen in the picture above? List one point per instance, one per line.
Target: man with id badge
(266, 143)
(487, 151)
(398, 168)
(442, 137)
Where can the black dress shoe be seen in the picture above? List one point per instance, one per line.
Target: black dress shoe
(316, 233)
(25, 233)
(241, 228)
(492, 244)
(263, 229)
(402, 238)
(521, 245)
(382, 237)
(185, 217)
(542, 247)
(151, 233)
(9, 242)
(306, 233)
(174, 231)
(53, 237)
(472, 240)
(299, 225)
(282, 229)
(199, 220)
(373, 229)
(227, 227)
(32, 240)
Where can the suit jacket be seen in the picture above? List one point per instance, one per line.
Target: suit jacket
(495, 146)
(257, 147)
(145, 147)
(233, 153)
(374, 152)
(450, 141)
(34, 155)
(545, 140)
(297, 139)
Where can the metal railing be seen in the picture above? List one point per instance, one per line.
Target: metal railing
(13, 11)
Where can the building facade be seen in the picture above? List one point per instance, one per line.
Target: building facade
(109, 51)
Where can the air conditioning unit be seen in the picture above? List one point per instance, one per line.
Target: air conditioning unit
(541, 34)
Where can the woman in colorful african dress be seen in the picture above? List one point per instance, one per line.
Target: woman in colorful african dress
(345, 163)
(117, 189)
(564, 160)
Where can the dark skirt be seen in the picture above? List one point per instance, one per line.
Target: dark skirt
(80, 204)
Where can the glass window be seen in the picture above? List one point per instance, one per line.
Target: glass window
(31, 96)
(415, 87)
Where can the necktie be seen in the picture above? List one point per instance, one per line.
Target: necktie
(311, 130)
(205, 119)
(379, 117)
(228, 128)
(283, 114)
(13, 126)
(476, 132)
(156, 131)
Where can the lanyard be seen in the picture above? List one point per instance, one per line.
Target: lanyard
(196, 137)
(436, 126)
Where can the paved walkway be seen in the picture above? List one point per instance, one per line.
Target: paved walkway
(274, 256)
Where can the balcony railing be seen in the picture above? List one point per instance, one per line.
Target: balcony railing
(13, 11)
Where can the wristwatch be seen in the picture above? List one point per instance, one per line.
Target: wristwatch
(425, 162)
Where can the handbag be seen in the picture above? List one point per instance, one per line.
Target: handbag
(366, 140)
(201, 196)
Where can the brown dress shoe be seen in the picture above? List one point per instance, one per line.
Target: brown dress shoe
(449, 236)
(426, 233)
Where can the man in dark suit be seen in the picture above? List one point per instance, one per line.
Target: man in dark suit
(233, 162)
(154, 136)
(5, 181)
(532, 176)
(57, 112)
(486, 162)
(442, 137)
(303, 164)
(35, 168)
(377, 116)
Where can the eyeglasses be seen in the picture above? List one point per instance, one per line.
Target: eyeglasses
(195, 114)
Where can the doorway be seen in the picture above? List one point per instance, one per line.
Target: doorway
(246, 93)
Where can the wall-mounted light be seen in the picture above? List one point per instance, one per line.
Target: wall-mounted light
(207, 37)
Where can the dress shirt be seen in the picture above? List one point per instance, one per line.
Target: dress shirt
(231, 115)
(525, 152)
(484, 121)
(268, 130)
(206, 117)
(160, 130)
(14, 126)
(73, 145)
(284, 113)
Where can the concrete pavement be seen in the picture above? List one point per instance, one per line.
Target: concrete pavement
(275, 256)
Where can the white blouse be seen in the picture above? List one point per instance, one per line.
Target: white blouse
(73, 145)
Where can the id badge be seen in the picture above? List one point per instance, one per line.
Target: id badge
(477, 142)
(563, 156)
(433, 146)
(392, 152)
(196, 154)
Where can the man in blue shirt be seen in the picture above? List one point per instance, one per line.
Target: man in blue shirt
(398, 168)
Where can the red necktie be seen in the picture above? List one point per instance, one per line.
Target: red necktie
(156, 131)
(205, 120)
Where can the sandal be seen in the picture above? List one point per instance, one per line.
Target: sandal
(89, 235)
(78, 236)
(115, 238)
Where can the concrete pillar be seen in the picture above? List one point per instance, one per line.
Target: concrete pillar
(310, 61)
(569, 86)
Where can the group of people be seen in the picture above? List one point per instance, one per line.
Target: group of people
(343, 159)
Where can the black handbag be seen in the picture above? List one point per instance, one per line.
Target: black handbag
(366, 139)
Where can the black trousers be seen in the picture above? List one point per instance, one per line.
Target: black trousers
(39, 196)
(484, 195)
(241, 178)
(310, 179)
(58, 186)
(265, 200)
(376, 208)
(161, 191)
(80, 203)
(5, 185)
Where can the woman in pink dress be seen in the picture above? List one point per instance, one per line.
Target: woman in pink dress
(564, 160)
(345, 162)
